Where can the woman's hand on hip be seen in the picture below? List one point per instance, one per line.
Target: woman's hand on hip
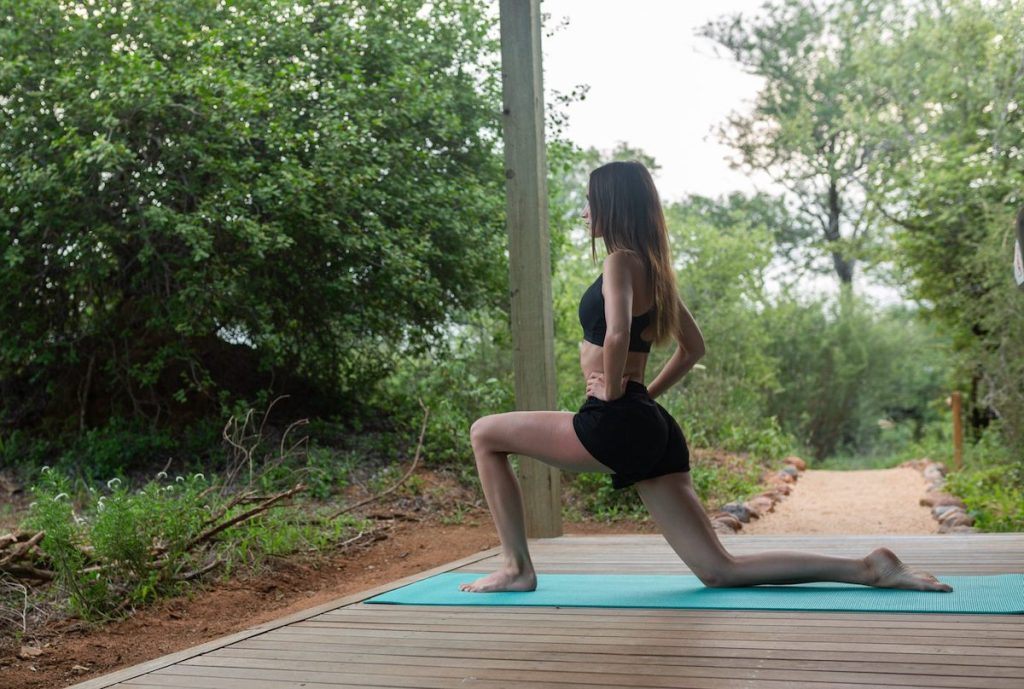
(596, 387)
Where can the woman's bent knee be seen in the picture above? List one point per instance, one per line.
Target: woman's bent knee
(717, 576)
(479, 432)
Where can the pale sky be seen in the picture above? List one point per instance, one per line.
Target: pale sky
(653, 83)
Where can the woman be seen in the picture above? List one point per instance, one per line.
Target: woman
(621, 430)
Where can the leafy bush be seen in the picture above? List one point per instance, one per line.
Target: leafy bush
(118, 547)
(993, 495)
(226, 197)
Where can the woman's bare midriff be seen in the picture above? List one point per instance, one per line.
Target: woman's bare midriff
(592, 361)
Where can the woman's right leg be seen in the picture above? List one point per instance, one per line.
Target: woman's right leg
(547, 436)
(673, 502)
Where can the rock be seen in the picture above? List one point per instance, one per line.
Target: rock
(79, 668)
(795, 461)
(719, 527)
(786, 477)
(940, 510)
(741, 512)
(761, 504)
(937, 497)
(726, 518)
(933, 472)
(792, 471)
(957, 518)
(947, 499)
(29, 652)
(918, 464)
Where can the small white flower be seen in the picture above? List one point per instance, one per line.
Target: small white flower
(161, 476)
(60, 496)
(113, 483)
(44, 470)
(179, 479)
(198, 477)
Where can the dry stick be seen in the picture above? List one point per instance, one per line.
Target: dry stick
(188, 576)
(11, 538)
(262, 507)
(27, 572)
(20, 550)
(415, 461)
(241, 497)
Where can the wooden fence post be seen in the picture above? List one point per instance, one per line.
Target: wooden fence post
(529, 247)
(958, 433)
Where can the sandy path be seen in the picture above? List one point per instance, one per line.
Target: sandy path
(877, 501)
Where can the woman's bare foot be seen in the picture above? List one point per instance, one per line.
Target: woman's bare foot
(503, 580)
(888, 571)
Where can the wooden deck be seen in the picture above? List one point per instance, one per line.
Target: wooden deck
(350, 644)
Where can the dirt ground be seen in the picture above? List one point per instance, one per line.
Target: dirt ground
(877, 501)
(862, 502)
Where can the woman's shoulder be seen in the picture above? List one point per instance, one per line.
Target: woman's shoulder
(623, 260)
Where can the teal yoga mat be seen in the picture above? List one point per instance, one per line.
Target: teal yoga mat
(998, 594)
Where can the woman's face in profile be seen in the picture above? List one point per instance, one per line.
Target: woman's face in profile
(586, 218)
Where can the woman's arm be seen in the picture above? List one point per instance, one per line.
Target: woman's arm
(618, 314)
(689, 351)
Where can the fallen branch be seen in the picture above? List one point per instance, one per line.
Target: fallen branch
(400, 516)
(188, 576)
(415, 461)
(27, 572)
(244, 516)
(21, 550)
(240, 497)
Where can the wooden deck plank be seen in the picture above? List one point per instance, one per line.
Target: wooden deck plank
(610, 635)
(242, 678)
(582, 637)
(597, 662)
(631, 654)
(605, 675)
(854, 625)
(348, 643)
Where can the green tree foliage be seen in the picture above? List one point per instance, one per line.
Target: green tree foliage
(203, 197)
(948, 175)
(721, 272)
(799, 131)
(849, 372)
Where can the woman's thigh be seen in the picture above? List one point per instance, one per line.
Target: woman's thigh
(545, 435)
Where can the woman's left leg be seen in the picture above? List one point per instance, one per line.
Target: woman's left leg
(545, 435)
(673, 502)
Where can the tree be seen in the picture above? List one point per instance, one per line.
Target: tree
(202, 200)
(947, 176)
(799, 131)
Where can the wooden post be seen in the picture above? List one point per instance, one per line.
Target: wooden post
(1018, 250)
(529, 247)
(958, 433)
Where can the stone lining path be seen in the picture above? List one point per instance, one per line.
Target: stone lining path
(876, 501)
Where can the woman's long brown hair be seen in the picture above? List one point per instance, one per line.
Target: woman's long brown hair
(626, 209)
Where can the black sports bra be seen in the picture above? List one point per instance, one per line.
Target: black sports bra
(595, 326)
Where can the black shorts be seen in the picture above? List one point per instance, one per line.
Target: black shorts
(633, 436)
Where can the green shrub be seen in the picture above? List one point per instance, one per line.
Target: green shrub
(119, 547)
(993, 495)
(592, 495)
